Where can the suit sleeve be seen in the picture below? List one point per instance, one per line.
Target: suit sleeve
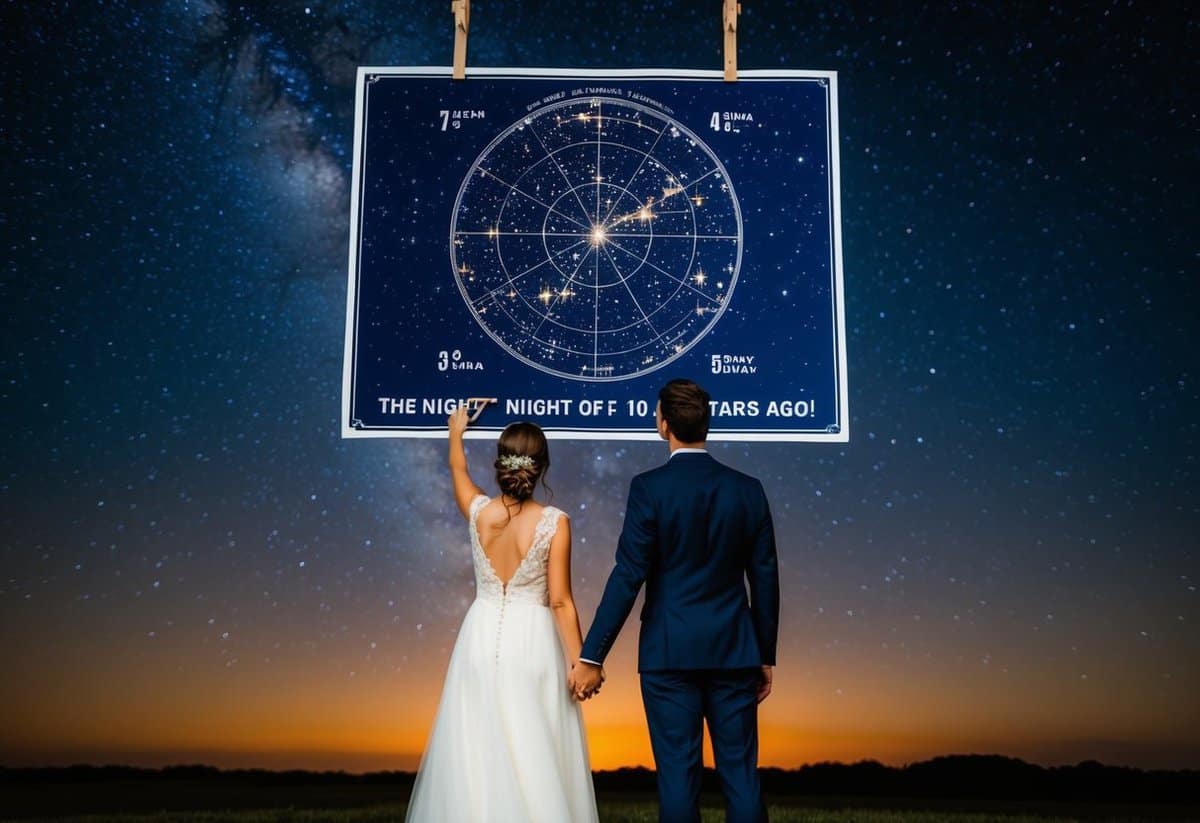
(763, 575)
(635, 551)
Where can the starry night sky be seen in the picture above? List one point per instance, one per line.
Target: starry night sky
(195, 567)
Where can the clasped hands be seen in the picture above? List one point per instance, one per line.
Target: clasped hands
(584, 679)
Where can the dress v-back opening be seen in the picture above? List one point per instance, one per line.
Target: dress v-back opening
(495, 574)
(524, 555)
(528, 582)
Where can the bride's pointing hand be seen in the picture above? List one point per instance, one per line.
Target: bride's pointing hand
(457, 421)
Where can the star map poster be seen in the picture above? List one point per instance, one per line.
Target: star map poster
(566, 241)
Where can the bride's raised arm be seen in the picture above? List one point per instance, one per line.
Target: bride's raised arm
(465, 489)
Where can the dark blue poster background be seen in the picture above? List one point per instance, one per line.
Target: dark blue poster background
(566, 242)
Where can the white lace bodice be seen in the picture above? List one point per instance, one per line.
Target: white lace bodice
(528, 582)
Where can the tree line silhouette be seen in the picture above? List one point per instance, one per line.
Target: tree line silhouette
(948, 776)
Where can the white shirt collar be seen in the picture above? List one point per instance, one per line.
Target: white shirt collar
(683, 449)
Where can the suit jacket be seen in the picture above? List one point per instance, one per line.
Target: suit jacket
(696, 533)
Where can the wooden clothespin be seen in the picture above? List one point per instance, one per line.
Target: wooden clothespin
(732, 9)
(479, 404)
(462, 24)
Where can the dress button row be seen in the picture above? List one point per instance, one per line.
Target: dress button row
(499, 625)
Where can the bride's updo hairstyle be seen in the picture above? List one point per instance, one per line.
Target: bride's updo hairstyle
(522, 457)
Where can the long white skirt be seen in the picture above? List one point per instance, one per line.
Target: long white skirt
(508, 742)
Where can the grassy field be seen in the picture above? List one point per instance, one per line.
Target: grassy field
(611, 811)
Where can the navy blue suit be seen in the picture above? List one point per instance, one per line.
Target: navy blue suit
(698, 534)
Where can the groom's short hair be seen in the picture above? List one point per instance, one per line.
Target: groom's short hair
(685, 407)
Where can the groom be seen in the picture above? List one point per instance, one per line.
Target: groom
(695, 532)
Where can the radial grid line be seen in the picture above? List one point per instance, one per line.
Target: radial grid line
(501, 180)
(596, 311)
(550, 305)
(645, 157)
(674, 329)
(669, 236)
(711, 171)
(681, 188)
(599, 123)
(493, 233)
(511, 281)
(678, 280)
(504, 308)
(625, 283)
(566, 179)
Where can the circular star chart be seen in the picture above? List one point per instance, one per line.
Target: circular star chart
(596, 239)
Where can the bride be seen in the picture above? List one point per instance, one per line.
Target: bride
(508, 741)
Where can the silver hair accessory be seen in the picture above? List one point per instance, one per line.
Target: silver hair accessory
(516, 461)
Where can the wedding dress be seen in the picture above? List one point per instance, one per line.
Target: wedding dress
(508, 742)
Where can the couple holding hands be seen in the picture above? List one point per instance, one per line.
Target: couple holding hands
(508, 742)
